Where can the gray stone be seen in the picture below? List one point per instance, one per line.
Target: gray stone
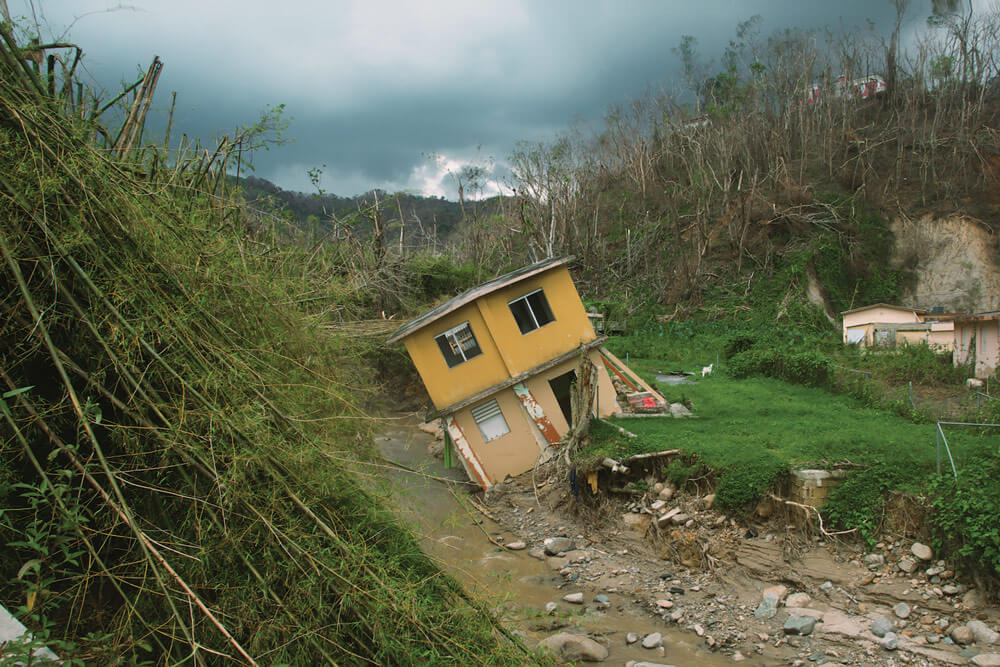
(901, 610)
(556, 545)
(949, 589)
(921, 551)
(827, 586)
(908, 565)
(974, 599)
(550, 607)
(799, 625)
(890, 642)
(882, 626)
(666, 494)
(798, 600)
(873, 560)
(987, 660)
(652, 640)
(982, 632)
(679, 519)
(516, 546)
(679, 411)
(538, 553)
(961, 634)
(571, 647)
(631, 638)
(573, 598)
(768, 607)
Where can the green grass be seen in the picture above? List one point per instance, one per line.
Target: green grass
(760, 426)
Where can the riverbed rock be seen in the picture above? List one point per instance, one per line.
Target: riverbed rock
(670, 514)
(709, 501)
(573, 598)
(556, 545)
(679, 519)
(890, 642)
(798, 600)
(516, 546)
(571, 647)
(652, 640)
(631, 638)
(768, 607)
(982, 633)
(908, 565)
(974, 599)
(921, 551)
(873, 561)
(667, 493)
(799, 625)
(987, 660)
(537, 552)
(637, 522)
(657, 505)
(837, 622)
(602, 601)
(901, 610)
(961, 634)
(550, 607)
(882, 626)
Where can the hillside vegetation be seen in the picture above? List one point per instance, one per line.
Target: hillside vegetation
(183, 455)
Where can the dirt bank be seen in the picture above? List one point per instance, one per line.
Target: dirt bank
(710, 577)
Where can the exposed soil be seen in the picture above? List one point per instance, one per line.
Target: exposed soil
(708, 576)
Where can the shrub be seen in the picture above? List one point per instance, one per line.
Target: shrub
(858, 502)
(964, 516)
(747, 481)
(809, 368)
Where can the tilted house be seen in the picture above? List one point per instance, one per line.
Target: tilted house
(498, 362)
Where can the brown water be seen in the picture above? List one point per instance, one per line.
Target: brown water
(455, 534)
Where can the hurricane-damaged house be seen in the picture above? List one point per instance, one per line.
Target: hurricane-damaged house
(498, 362)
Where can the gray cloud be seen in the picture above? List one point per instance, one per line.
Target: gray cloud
(375, 87)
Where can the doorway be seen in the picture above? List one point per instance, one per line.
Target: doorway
(561, 385)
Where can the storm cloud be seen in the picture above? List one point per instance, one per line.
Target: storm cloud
(396, 94)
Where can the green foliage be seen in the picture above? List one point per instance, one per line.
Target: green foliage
(858, 502)
(911, 363)
(678, 472)
(746, 481)
(809, 368)
(964, 514)
(436, 276)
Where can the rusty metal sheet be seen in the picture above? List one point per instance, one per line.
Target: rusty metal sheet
(536, 413)
(472, 463)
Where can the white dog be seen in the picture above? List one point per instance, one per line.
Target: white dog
(974, 383)
(707, 370)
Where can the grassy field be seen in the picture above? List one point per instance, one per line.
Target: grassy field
(752, 430)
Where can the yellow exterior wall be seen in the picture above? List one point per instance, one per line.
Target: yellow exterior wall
(510, 454)
(522, 352)
(877, 315)
(447, 386)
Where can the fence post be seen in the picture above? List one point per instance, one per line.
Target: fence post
(937, 435)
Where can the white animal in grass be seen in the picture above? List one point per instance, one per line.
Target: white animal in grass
(974, 383)
(707, 370)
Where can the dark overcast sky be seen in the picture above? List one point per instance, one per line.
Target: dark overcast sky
(376, 88)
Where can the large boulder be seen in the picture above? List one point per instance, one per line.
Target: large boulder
(799, 625)
(571, 648)
(983, 633)
(556, 545)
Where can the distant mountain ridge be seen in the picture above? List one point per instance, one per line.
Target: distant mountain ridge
(426, 215)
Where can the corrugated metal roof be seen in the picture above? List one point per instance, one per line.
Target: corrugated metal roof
(471, 295)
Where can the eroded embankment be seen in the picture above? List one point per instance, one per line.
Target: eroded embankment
(743, 589)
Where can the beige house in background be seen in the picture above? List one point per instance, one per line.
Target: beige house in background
(498, 362)
(977, 341)
(883, 324)
(972, 338)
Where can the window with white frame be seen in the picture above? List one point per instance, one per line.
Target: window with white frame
(490, 420)
(531, 311)
(458, 344)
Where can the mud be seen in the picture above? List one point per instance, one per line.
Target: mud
(700, 583)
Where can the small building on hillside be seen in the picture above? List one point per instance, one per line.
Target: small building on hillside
(498, 362)
(886, 325)
(977, 342)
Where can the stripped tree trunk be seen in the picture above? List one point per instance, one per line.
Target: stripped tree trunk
(581, 406)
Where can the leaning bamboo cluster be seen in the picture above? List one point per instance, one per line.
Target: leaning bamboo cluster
(178, 448)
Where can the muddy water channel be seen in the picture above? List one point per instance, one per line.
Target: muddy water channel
(438, 505)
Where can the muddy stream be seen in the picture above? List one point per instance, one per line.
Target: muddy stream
(456, 534)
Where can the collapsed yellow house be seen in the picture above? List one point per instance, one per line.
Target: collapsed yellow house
(498, 362)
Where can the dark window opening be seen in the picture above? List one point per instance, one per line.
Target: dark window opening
(531, 311)
(561, 386)
(458, 345)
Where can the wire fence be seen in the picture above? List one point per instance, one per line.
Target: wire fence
(941, 439)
